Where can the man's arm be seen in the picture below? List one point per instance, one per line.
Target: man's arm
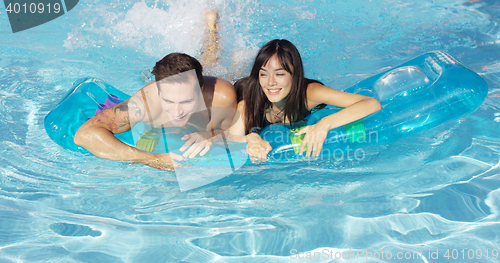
(222, 112)
(97, 135)
(223, 105)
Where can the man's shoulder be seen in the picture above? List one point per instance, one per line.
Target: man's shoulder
(151, 86)
(148, 92)
(218, 82)
(145, 102)
(224, 93)
(222, 86)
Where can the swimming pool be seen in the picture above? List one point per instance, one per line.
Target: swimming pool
(428, 195)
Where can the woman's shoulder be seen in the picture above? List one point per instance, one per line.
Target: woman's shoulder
(315, 87)
(311, 81)
(317, 94)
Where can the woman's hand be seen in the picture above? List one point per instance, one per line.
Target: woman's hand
(314, 138)
(198, 142)
(257, 148)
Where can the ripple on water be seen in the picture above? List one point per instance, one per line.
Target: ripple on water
(73, 230)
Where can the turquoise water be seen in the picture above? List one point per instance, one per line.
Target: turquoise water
(433, 193)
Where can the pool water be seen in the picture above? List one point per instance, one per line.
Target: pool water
(433, 197)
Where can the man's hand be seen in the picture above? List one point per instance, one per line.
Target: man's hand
(198, 142)
(164, 161)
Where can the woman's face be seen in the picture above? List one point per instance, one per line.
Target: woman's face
(275, 81)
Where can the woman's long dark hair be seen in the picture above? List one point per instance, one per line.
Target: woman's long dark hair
(255, 99)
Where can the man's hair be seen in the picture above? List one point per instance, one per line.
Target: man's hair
(175, 63)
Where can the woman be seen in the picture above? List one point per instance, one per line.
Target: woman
(277, 92)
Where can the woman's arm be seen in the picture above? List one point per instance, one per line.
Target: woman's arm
(237, 129)
(257, 148)
(355, 107)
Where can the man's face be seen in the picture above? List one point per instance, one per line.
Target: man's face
(180, 99)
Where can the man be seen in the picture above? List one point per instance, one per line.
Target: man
(179, 96)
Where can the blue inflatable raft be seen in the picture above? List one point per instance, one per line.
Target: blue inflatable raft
(418, 95)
